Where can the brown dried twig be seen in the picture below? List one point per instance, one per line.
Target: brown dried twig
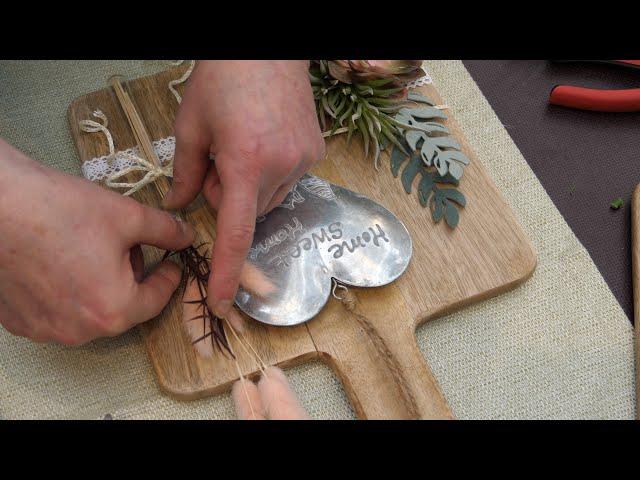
(196, 268)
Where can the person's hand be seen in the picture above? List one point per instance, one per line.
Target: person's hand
(258, 120)
(70, 263)
(270, 399)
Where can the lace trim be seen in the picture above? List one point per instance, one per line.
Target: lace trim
(99, 168)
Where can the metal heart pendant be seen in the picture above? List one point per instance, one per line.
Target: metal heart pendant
(319, 232)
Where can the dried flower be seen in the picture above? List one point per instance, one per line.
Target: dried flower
(366, 103)
(363, 71)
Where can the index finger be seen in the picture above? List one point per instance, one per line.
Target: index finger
(234, 234)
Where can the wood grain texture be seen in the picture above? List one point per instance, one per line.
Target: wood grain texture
(635, 257)
(372, 345)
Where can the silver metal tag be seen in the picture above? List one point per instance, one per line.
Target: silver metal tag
(319, 232)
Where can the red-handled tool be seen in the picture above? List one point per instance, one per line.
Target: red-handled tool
(626, 100)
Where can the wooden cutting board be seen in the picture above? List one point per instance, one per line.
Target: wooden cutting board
(372, 349)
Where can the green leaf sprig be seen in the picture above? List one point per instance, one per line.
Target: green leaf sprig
(436, 158)
(367, 108)
(377, 110)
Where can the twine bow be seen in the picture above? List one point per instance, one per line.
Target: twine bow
(151, 171)
(182, 79)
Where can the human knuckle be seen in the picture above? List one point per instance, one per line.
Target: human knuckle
(172, 227)
(249, 170)
(239, 235)
(102, 320)
(183, 128)
(133, 213)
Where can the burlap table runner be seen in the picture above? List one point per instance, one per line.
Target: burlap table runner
(557, 347)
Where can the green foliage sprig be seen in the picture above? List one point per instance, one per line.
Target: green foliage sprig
(436, 158)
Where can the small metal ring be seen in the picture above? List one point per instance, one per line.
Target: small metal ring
(337, 285)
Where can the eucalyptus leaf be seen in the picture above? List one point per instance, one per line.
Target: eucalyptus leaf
(443, 167)
(451, 215)
(450, 161)
(433, 127)
(397, 159)
(428, 151)
(454, 195)
(445, 142)
(413, 137)
(425, 189)
(427, 113)
(437, 212)
(442, 201)
(458, 156)
(454, 169)
(410, 172)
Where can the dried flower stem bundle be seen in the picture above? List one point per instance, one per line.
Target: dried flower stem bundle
(196, 272)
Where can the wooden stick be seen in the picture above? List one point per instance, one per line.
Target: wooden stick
(635, 255)
(139, 131)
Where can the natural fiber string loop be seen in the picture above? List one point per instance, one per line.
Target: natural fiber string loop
(92, 126)
(151, 171)
(182, 79)
(337, 285)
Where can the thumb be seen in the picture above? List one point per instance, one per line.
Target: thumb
(158, 228)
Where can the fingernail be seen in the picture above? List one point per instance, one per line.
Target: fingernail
(181, 222)
(184, 226)
(222, 308)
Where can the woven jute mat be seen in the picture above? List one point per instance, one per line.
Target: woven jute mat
(558, 346)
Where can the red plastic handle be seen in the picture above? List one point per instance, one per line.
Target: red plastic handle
(598, 100)
(628, 63)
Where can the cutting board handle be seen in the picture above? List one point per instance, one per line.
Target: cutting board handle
(382, 369)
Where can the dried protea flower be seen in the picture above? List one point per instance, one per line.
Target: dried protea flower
(363, 71)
